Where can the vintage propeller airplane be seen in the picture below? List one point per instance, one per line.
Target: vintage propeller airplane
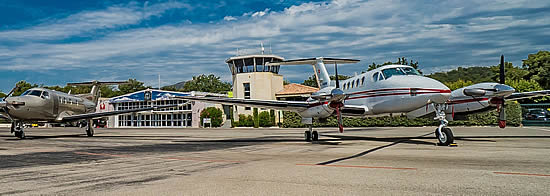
(387, 89)
(44, 105)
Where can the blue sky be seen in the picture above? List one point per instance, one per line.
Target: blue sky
(55, 42)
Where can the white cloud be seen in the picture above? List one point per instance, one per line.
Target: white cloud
(229, 18)
(375, 30)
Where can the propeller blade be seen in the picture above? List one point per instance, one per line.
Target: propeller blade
(11, 92)
(340, 122)
(502, 117)
(336, 75)
(502, 74)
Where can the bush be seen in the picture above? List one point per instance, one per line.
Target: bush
(513, 114)
(244, 121)
(214, 114)
(265, 119)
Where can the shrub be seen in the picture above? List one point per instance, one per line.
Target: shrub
(256, 119)
(244, 121)
(214, 114)
(265, 119)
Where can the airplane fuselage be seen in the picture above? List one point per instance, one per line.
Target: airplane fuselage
(39, 104)
(388, 89)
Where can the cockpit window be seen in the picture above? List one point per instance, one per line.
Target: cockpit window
(410, 71)
(33, 93)
(391, 72)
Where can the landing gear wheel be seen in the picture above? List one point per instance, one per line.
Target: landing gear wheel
(20, 134)
(89, 131)
(307, 136)
(315, 136)
(446, 138)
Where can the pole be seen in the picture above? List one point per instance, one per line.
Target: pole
(159, 81)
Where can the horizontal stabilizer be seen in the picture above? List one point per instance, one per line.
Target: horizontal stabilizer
(312, 61)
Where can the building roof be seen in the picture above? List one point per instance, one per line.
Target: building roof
(296, 89)
(155, 94)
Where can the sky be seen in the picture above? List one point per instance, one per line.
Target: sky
(55, 42)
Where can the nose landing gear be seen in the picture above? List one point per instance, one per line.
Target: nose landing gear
(17, 129)
(311, 135)
(443, 133)
(89, 128)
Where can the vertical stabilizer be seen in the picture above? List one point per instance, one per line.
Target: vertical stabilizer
(322, 74)
(95, 92)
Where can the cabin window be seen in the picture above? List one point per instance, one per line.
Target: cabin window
(391, 72)
(45, 95)
(363, 81)
(375, 76)
(357, 83)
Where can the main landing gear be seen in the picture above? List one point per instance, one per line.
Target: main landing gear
(443, 133)
(311, 135)
(89, 128)
(17, 129)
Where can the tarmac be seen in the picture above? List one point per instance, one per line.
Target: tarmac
(362, 161)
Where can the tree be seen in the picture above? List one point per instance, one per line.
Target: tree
(2, 95)
(207, 83)
(214, 114)
(132, 86)
(311, 81)
(400, 61)
(23, 86)
(538, 66)
(458, 84)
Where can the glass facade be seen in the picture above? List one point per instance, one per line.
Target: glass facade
(180, 116)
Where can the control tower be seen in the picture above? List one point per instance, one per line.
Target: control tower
(253, 79)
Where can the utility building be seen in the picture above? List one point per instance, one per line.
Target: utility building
(253, 79)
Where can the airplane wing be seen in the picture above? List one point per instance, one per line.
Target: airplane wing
(101, 114)
(314, 60)
(526, 95)
(271, 104)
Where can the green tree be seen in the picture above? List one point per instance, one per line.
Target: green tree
(207, 83)
(23, 86)
(400, 61)
(2, 95)
(538, 66)
(458, 84)
(311, 81)
(214, 114)
(132, 86)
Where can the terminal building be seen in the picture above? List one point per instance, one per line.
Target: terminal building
(186, 115)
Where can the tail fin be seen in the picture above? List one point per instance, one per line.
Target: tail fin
(323, 78)
(95, 92)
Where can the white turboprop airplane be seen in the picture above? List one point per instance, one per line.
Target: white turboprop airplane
(388, 89)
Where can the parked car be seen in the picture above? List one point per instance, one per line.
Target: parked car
(537, 114)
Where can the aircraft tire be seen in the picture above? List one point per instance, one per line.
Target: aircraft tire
(89, 131)
(307, 136)
(447, 137)
(20, 134)
(315, 136)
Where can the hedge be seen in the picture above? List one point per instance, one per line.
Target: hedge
(513, 113)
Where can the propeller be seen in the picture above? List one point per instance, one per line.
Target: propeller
(338, 97)
(11, 92)
(502, 112)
